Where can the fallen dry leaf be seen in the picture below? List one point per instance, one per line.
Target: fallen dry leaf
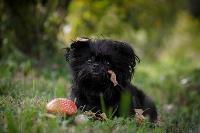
(95, 116)
(113, 77)
(103, 116)
(89, 113)
(139, 118)
(139, 111)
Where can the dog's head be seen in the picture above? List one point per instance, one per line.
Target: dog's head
(91, 59)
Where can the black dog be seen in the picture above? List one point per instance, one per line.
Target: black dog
(104, 68)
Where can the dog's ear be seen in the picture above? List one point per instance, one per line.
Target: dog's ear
(127, 51)
(134, 60)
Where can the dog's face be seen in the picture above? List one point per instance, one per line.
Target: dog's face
(90, 60)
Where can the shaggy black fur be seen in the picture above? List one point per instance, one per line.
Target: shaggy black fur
(90, 60)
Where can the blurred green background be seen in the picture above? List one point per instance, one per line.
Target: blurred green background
(164, 33)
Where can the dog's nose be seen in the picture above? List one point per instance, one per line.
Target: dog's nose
(95, 65)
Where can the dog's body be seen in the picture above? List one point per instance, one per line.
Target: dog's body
(93, 64)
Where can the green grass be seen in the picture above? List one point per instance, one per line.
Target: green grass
(25, 89)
